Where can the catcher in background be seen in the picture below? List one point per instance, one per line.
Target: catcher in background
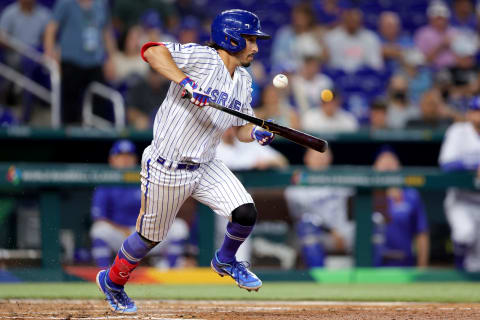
(461, 152)
(400, 221)
(321, 213)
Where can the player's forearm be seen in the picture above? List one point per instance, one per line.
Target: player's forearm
(161, 61)
(244, 133)
(110, 44)
(423, 249)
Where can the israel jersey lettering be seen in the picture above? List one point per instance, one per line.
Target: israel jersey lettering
(185, 132)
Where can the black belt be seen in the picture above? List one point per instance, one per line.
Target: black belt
(181, 166)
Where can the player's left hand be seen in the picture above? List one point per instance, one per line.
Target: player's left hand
(197, 96)
(262, 136)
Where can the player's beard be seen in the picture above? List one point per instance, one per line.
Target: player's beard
(247, 63)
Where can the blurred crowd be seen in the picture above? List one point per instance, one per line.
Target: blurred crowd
(384, 75)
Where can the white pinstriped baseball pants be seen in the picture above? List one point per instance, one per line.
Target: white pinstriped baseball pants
(164, 191)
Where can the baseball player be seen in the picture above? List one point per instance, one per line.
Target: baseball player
(114, 214)
(321, 214)
(180, 162)
(460, 152)
(400, 220)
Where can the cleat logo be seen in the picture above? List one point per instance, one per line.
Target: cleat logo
(123, 274)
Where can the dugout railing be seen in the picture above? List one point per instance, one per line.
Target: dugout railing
(48, 180)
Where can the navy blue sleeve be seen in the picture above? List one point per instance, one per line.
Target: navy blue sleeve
(100, 204)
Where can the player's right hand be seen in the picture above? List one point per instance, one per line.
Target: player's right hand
(197, 97)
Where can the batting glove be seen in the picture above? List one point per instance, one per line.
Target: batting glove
(197, 97)
(262, 136)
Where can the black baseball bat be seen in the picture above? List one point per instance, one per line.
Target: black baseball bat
(296, 136)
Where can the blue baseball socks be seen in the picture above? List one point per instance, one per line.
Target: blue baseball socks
(236, 234)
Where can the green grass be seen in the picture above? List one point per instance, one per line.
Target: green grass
(420, 292)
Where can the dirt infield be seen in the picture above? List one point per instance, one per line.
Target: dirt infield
(236, 310)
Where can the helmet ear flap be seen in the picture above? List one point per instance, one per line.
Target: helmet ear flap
(233, 42)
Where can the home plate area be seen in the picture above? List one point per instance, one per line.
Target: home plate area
(236, 310)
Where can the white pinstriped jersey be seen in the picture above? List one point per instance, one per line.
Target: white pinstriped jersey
(184, 132)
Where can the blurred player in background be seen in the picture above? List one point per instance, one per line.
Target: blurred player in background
(400, 221)
(461, 152)
(180, 162)
(321, 214)
(114, 214)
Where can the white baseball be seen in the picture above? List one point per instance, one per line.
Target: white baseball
(280, 81)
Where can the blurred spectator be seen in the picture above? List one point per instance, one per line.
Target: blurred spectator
(85, 38)
(435, 40)
(394, 41)
(114, 214)
(125, 66)
(291, 41)
(144, 98)
(321, 214)
(307, 83)
(460, 151)
(400, 108)
(463, 15)
(433, 113)
(455, 97)
(328, 12)
(418, 76)
(275, 106)
(378, 114)
(189, 30)
(351, 46)
(444, 84)
(153, 29)
(25, 20)
(127, 13)
(400, 221)
(329, 117)
(246, 156)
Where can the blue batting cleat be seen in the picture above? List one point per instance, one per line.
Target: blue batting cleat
(245, 278)
(117, 299)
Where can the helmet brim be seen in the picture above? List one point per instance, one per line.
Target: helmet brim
(259, 34)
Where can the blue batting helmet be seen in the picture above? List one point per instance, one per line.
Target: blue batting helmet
(230, 25)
